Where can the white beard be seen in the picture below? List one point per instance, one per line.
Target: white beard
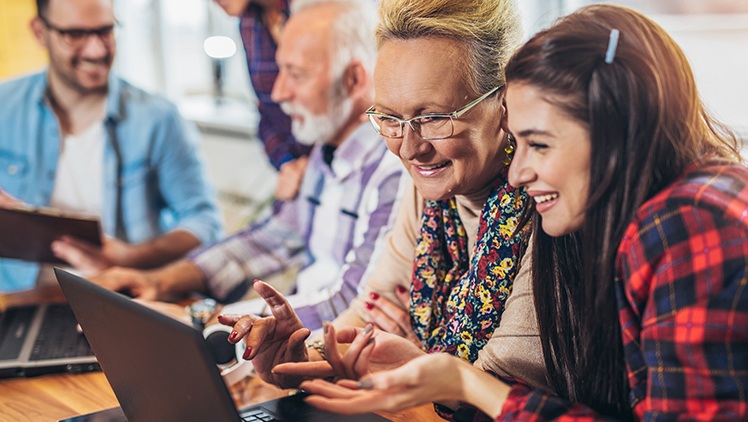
(311, 128)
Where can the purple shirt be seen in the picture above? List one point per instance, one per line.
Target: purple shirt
(275, 126)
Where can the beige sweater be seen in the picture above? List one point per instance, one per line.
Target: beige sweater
(514, 350)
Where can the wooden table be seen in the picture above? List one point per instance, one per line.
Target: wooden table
(49, 398)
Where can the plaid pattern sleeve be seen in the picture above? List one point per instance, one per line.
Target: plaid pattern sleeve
(260, 250)
(683, 306)
(275, 126)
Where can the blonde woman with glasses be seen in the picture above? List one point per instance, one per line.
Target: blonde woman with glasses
(454, 275)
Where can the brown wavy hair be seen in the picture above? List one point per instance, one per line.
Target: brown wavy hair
(646, 125)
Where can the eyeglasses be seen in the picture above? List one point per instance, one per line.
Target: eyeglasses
(77, 37)
(428, 126)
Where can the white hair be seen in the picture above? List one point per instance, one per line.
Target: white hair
(352, 33)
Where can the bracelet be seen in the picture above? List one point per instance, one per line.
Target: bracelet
(319, 346)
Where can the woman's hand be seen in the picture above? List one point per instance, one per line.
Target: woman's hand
(429, 378)
(370, 350)
(271, 340)
(438, 377)
(392, 317)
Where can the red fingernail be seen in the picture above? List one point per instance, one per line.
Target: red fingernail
(369, 306)
(233, 335)
(400, 289)
(373, 296)
(247, 352)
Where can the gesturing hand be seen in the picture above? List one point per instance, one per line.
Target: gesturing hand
(271, 340)
(370, 350)
(430, 378)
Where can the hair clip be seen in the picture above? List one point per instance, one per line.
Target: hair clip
(612, 45)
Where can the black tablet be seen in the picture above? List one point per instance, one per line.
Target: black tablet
(28, 233)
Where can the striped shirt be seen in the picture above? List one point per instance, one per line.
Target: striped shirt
(332, 229)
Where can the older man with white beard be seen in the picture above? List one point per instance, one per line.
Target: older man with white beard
(345, 205)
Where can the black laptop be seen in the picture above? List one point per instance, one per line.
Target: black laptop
(41, 339)
(161, 369)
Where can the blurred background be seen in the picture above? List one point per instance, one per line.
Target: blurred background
(162, 48)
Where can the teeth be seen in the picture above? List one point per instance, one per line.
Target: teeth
(432, 167)
(545, 198)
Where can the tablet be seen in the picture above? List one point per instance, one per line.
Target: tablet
(28, 233)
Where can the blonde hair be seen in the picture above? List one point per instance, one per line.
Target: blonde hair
(491, 31)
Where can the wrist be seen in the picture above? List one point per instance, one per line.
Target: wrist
(129, 255)
(482, 390)
(316, 351)
(179, 277)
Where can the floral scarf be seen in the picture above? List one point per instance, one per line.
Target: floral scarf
(455, 307)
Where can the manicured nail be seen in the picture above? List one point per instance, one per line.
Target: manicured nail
(367, 384)
(233, 335)
(247, 352)
(369, 328)
(369, 305)
(373, 296)
(325, 327)
(401, 289)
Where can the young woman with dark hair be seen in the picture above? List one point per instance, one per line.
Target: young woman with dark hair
(641, 239)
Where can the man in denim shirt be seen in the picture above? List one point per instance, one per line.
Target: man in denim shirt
(76, 138)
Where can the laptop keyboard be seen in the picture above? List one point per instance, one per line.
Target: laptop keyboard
(58, 337)
(258, 415)
(14, 326)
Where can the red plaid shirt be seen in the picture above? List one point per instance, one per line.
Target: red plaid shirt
(683, 306)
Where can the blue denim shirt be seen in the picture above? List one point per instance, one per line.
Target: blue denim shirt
(163, 181)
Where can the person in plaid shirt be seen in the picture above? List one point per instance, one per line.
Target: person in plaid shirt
(640, 278)
(260, 22)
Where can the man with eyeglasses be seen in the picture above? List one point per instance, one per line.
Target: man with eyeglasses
(77, 138)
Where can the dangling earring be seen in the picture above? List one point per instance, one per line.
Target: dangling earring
(509, 149)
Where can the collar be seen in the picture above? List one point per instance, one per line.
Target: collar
(114, 107)
(355, 150)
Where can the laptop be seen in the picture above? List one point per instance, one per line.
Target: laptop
(42, 339)
(160, 369)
